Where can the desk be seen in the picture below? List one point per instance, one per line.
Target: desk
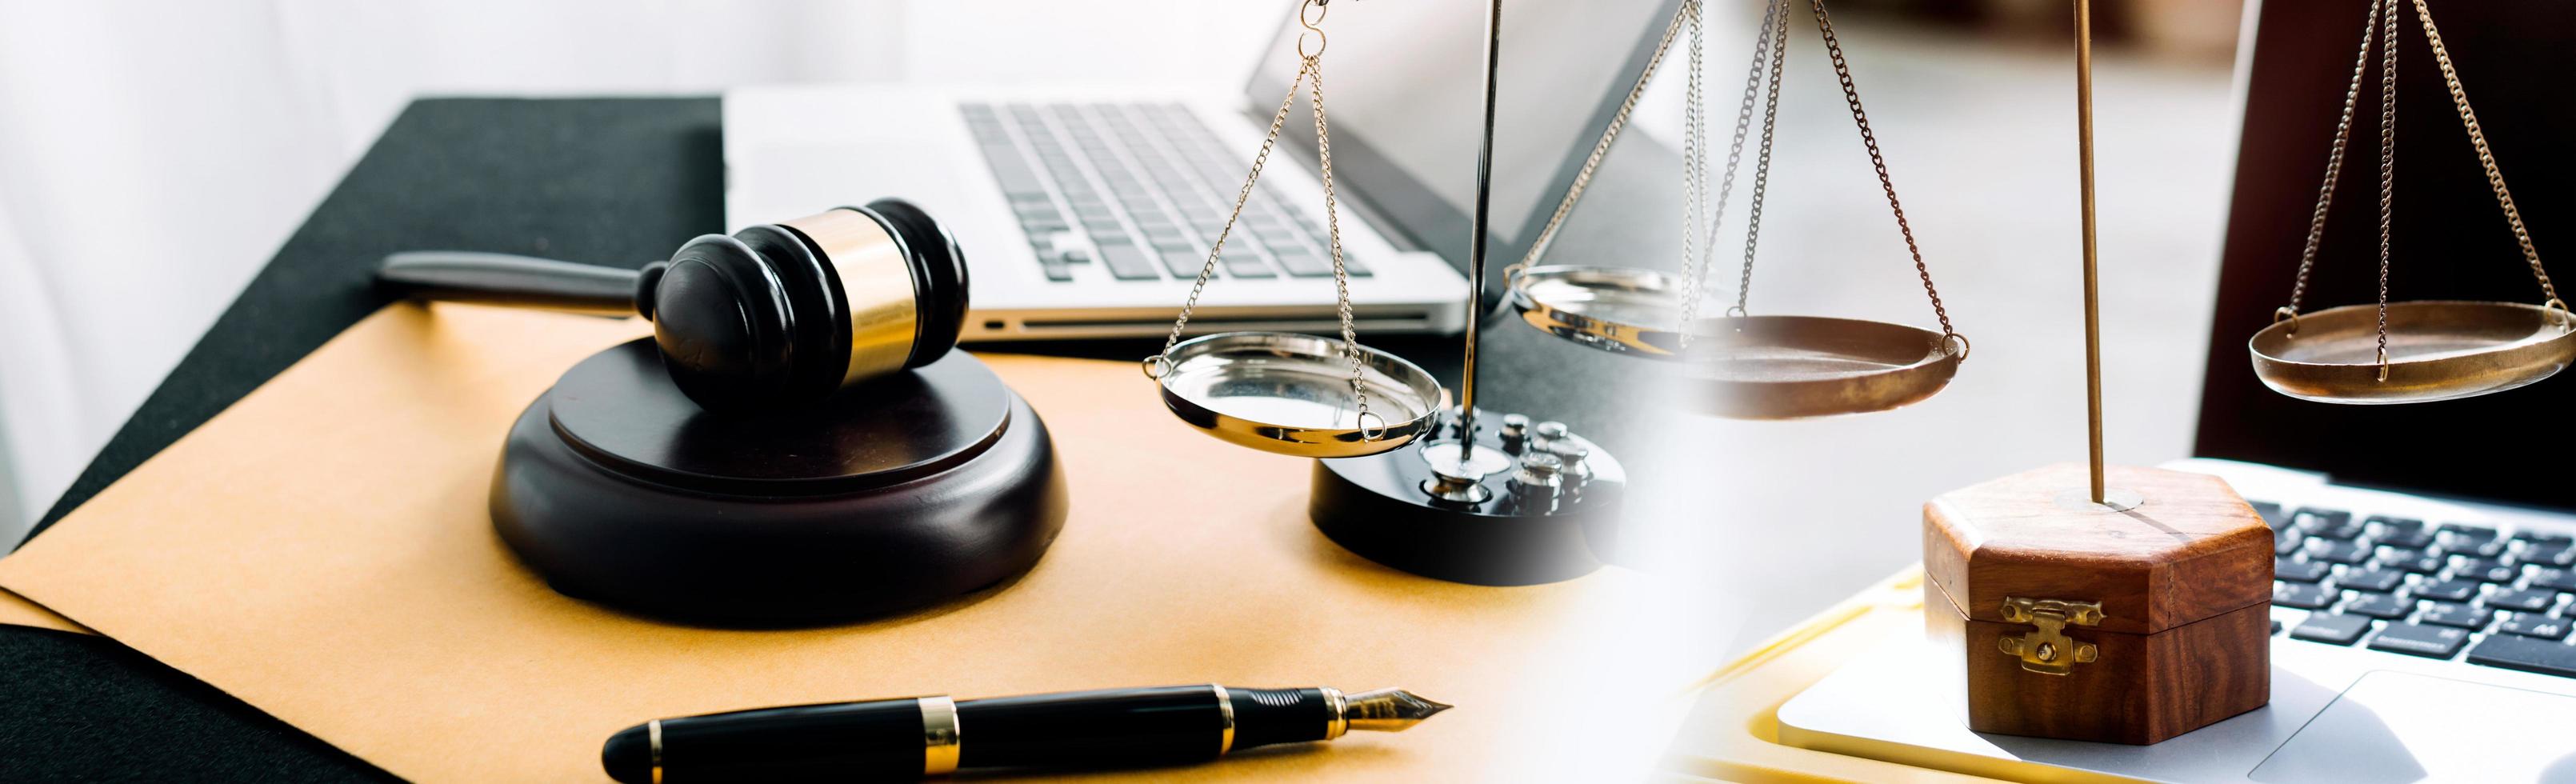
(594, 180)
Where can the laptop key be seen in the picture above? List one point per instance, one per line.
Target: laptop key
(2547, 627)
(2328, 523)
(2545, 537)
(2286, 540)
(2526, 600)
(2472, 548)
(2416, 561)
(2554, 579)
(2447, 590)
(2528, 654)
(2484, 570)
(2304, 596)
(2373, 580)
(2331, 551)
(2300, 571)
(2413, 538)
(2469, 532)
(1128, 262)
(1303, 263)
(2438, 642)
(2558, 555)
(2384, 606)
(1247, 264)
(1183, 263)
(2331, 628)
(2460, 615)
(2273, 514)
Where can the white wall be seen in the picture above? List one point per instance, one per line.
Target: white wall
(154, 154)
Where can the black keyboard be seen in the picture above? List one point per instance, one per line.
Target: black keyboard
(1142, 190)
(2453, 591)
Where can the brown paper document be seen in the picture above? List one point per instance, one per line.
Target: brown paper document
(17, 611)
(322, 551)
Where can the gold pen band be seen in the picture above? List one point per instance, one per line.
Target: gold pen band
(1341, 720)
(653, 733)
(1224, 707)
(938, 736)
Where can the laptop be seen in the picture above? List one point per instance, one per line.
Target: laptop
(2422, 609)
(1089, 212)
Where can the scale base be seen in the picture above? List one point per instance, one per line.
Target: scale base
(1378, 507)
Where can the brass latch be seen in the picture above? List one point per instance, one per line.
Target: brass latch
(2048, 650)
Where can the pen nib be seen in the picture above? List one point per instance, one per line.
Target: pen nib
(1389, 710)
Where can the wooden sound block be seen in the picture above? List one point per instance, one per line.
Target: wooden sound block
(911, 490)
(2080, 621)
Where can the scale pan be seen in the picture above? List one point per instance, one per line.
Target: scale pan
(1623, 310)
(1794, 367)
(1291, 394)
(2436, 351)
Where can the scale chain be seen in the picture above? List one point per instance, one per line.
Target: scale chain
(1696, 267)
(1600, 149)
(1694, 170)
(2486, 157)
(2387, 163)
(2334, 169)
(1310, 77)
(1851, 95)
(1762, 163)
(1333, 230)
(2380, 29)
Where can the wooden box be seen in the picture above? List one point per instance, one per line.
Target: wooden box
(2066, 619)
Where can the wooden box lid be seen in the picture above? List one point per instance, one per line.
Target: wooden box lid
(2193, 549)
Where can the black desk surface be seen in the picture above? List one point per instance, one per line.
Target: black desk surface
(608, 181)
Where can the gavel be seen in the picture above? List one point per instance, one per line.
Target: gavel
(778, 314)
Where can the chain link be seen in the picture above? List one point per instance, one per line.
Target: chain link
(1851, 96)
(2486, 157)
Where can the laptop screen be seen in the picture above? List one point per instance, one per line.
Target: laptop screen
(2449, 241)
(1404, 85)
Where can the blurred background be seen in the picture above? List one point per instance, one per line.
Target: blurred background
(136, 199)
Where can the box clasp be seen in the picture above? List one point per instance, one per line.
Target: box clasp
(2048, 650)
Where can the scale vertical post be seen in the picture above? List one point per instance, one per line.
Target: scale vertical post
(1476, 240)
(2092, 262)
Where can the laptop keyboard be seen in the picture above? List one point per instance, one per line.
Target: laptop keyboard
(2453, 591)
(1140, 189)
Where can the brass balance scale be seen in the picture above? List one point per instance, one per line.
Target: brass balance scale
(1746, 366)
(1513, 505)
(2410, 352)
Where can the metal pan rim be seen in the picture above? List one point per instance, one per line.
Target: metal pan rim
(2496, 366)
(1887, 387)
(1660, 341)
(1407, 385)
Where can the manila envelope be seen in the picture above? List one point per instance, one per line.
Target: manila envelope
(321, 550)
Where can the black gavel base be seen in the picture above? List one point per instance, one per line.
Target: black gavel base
(903, 493)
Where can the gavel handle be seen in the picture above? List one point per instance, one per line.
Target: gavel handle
(504, 279)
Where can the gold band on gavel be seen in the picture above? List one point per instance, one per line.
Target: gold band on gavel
(875, 279)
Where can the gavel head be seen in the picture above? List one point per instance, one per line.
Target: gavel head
(786, 314)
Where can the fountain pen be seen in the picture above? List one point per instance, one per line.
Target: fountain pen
(919, 737)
